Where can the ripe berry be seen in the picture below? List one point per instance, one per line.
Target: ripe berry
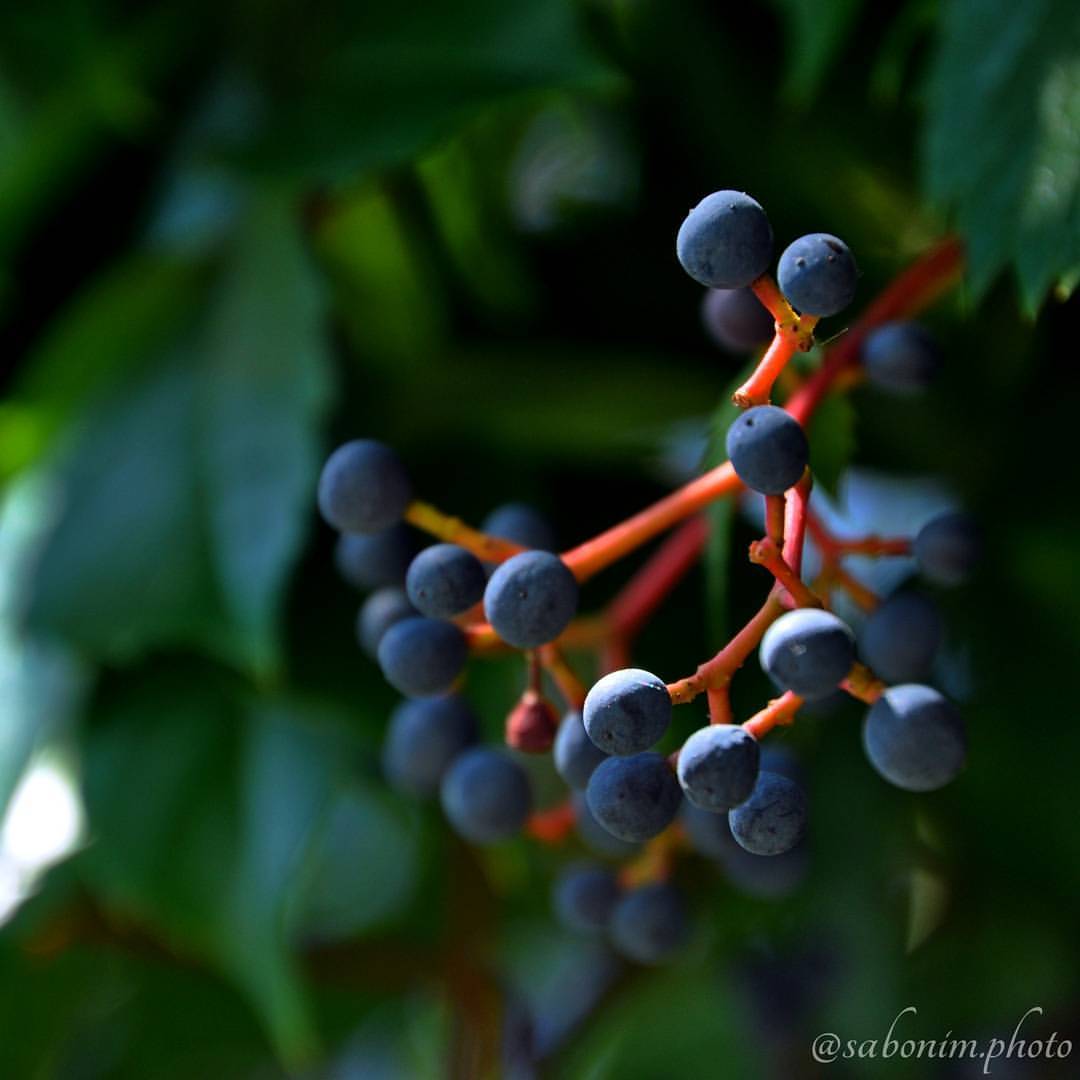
(718, 766)
(726, 241)
(915, 738)
(444, 580)
(900, 639)
(423, 738)
(634, 798)
(818, 275)
(378, 613)
(363, 487)
(736, 319)
(627, 711)
(948, 548)
(768, 449)
(808, 651)
(900, 357)
(584, 897)
(773, 819)
(595, 837)
(376, 560)
(520, 524)
(421, 656)
(576, 755)
(530, 599)
(486, 795)
(650, 924)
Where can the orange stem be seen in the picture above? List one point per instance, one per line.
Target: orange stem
(553, 825)
(863, 684)
(780, 710)
(454, 531)
(570, 686)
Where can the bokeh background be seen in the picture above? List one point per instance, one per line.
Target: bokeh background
(233, 234)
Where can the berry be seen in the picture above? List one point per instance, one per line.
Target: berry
(371, 562)
(947, 549)
(627, 711)
(768, 449)
(709, 833)
(817, 274)
(736, 319)
(808, 651)
(765, 877)
(381, 610)
(773, 819)
(530, 599)
(650, 924)
(595, 837)
(422, 657)
(531, 724)
(363, 487)
(634, 798)
(576, 755)
(584, 897)
(726, 241)
(915, 738)
(486, 795)
(718, 766)
(444, 580)
(900, 639)
(423, 738)
(900, 357)
(520, 524)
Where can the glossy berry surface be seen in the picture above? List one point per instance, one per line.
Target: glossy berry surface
(381, 610)
(773, 819)
(377, 559)
(423, 738)
(817, 274)
(445, 580)
(736, 319)
(914, 737)
(726, 241)
(627, 711)
(768, 449)
(718, 766)
(363, 487)
(575, 754)
(948, 548)
(650, 924)
(634, 798)
(901, 357)
(584, 897)
(421, 656)
(901, 637)
(486, 795)
(530, 599)
(808, 651)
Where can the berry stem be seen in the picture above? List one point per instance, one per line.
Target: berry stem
(775, 512)
(571, 688)
(765, 553)
(792, 335)
(834, 547)
(863, 684)
(780, 710)
(454, 531)
(553, 825)
(656, 862)
(719, 705)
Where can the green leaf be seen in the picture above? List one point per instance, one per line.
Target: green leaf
(1002, 141)
(832, 440)
(204, 808)
(186, 492)
(814, 34)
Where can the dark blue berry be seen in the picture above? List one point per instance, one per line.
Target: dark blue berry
(915, 738)
(363, 487)
(773, 819)
(584, 896)
(378, 559)
(900, 357)
(422, 657)
(530, 599)
(576, 755)
(486, 795)
(423, 738)
(817, 274)
(768, 449)
(650, 924)
(634, 798)
(808, 651)
(718, 766)
(378, 613)
(947, 549)
(444, 580)
(627, 711)
(900, 639)
(595, 837)
(726, 241)
(736, 319)
(520, 524)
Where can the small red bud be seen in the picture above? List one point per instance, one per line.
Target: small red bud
(531, 725)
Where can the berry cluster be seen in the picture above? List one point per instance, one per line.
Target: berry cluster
(502, 587)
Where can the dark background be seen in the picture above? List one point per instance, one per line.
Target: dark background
(233, 235)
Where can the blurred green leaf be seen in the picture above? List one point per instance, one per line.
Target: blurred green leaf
(814, 34)
(203, 808)
(1002, 140)
(832, 440)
